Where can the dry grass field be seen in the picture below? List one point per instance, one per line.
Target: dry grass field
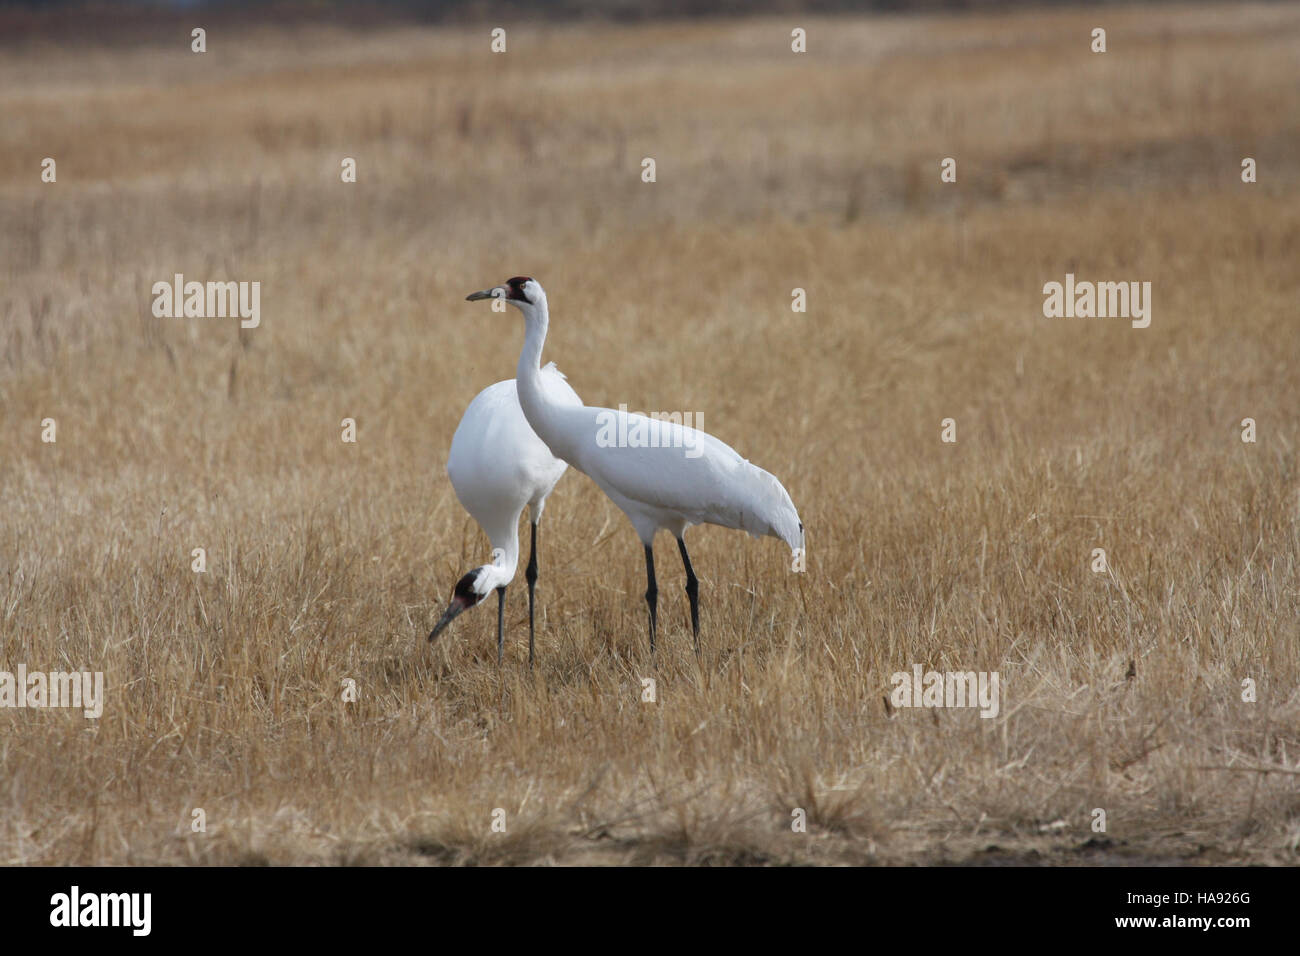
(330, 561)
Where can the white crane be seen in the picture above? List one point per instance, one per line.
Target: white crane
(687, 477)
(497, 465)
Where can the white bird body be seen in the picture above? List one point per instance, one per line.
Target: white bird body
(684, 477)
(498, 466)
(689, 477)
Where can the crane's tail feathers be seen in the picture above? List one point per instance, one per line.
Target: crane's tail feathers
(775, 514)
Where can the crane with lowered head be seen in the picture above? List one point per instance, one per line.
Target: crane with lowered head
(497, 465)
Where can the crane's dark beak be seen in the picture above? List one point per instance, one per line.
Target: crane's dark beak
(485, 294)
(449, 615)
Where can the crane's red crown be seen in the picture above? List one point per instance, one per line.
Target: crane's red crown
(515, 288)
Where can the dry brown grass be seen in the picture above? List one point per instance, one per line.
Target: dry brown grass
(330, 561)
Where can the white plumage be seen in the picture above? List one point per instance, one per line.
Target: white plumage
(688, 477)
(497, 466)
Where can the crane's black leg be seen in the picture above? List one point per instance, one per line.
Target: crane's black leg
(692, 591)
(501, 623)
(651, 592)
(531, 576)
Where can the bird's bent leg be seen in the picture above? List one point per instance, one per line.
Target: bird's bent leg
(651, 592)
(530, 575)
(501, 623)
(692, 591)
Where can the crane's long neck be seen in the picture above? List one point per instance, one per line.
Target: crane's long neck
(537, 405)
(503, 531)
(536, 320)
(505, 560)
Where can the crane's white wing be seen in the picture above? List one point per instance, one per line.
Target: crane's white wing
(686, 473)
